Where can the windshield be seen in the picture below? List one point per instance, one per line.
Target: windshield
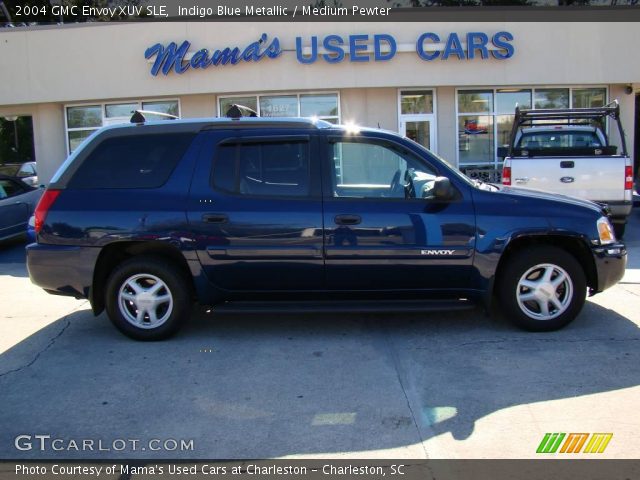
(559, 139)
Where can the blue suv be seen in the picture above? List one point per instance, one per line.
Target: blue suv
(246, 213)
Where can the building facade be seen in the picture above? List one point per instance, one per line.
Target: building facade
(450, 86)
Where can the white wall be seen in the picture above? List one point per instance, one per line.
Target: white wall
(56, 65)
(94, 61)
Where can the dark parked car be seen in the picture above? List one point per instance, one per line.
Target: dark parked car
(17, 203)
(27, 172)
(145, 219)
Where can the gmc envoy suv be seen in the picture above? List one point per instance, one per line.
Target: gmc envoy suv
(146, 219)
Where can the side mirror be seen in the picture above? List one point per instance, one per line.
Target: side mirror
(442, 189)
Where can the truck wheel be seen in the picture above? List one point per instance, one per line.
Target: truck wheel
(542, 288)
(618, 229)
(147, 298)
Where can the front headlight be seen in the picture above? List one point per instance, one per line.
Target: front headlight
(605, 231)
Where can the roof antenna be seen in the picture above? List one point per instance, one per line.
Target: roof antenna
(138, 116)
(236, 112)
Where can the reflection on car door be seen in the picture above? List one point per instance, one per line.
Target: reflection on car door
(256, 210)
(380, 233)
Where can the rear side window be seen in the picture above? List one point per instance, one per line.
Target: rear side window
(278, 169)
(137, 161)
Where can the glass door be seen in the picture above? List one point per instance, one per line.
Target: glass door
(416, 112)
(419, 128)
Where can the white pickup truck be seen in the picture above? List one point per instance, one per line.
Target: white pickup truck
(567, 151)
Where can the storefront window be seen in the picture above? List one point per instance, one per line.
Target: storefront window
(83, 120)
(472, 101)
(84, 117)
(120, 110)
(589, 97)
(279, 106)
(76, 138)
(504, 124)
(170, 108)
(475, 134)
(416, 102)
(321, 105)
(551, 98)
(249, 102)
(485, 119)
(506, 100)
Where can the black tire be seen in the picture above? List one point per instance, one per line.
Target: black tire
(142, 271)
(618, 229)
(563, 303)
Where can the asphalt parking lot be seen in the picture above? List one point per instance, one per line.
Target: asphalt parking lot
(441, 385)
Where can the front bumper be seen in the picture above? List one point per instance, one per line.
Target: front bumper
(61, 269)
(610, 261)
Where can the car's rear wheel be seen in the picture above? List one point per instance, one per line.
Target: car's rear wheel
(542, 288)
(147, 298)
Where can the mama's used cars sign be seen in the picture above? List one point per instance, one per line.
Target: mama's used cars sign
(333, 49)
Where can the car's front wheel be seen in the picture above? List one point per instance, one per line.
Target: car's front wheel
(542, 288)
(147, 298)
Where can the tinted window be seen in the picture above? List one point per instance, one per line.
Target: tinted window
(139, 161)
(271, 169)
(371, 170)
(560, 139)
(224, 177)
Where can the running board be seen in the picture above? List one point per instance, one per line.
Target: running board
(345, 306)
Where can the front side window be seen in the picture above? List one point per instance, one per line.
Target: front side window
(275, 169)
(373, 170)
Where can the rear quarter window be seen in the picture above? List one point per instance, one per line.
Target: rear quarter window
(136, 161)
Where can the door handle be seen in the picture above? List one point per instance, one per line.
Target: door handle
(347, 219)
(214, 218)
(567, 164)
